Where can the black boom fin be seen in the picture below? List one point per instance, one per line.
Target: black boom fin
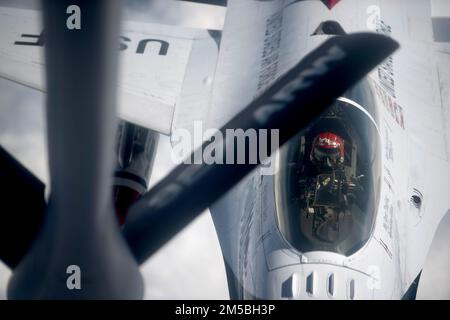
(411, 293)
(329, 27)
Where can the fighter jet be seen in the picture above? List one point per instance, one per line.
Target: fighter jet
(357, 192)
(358, 196)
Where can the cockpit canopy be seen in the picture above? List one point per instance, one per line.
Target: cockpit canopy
(331, 205)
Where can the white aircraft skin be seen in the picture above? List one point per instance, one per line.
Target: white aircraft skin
(411, 115)
(404, 110)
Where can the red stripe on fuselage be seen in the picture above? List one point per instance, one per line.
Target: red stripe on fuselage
(330, 3)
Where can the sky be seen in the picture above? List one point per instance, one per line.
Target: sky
(190, 266)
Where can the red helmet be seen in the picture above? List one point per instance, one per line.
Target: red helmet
(328, 147)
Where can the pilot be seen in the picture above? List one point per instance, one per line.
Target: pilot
(326, 201)
(327, 155)
(327, 151)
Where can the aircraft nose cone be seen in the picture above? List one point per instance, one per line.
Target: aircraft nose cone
(320, 281)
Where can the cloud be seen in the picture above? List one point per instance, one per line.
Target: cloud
(176, 12)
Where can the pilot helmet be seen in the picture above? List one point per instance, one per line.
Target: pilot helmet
(328, 150)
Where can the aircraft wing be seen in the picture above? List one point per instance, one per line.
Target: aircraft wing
(157, 62)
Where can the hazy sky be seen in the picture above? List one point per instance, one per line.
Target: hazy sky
(190, 266)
